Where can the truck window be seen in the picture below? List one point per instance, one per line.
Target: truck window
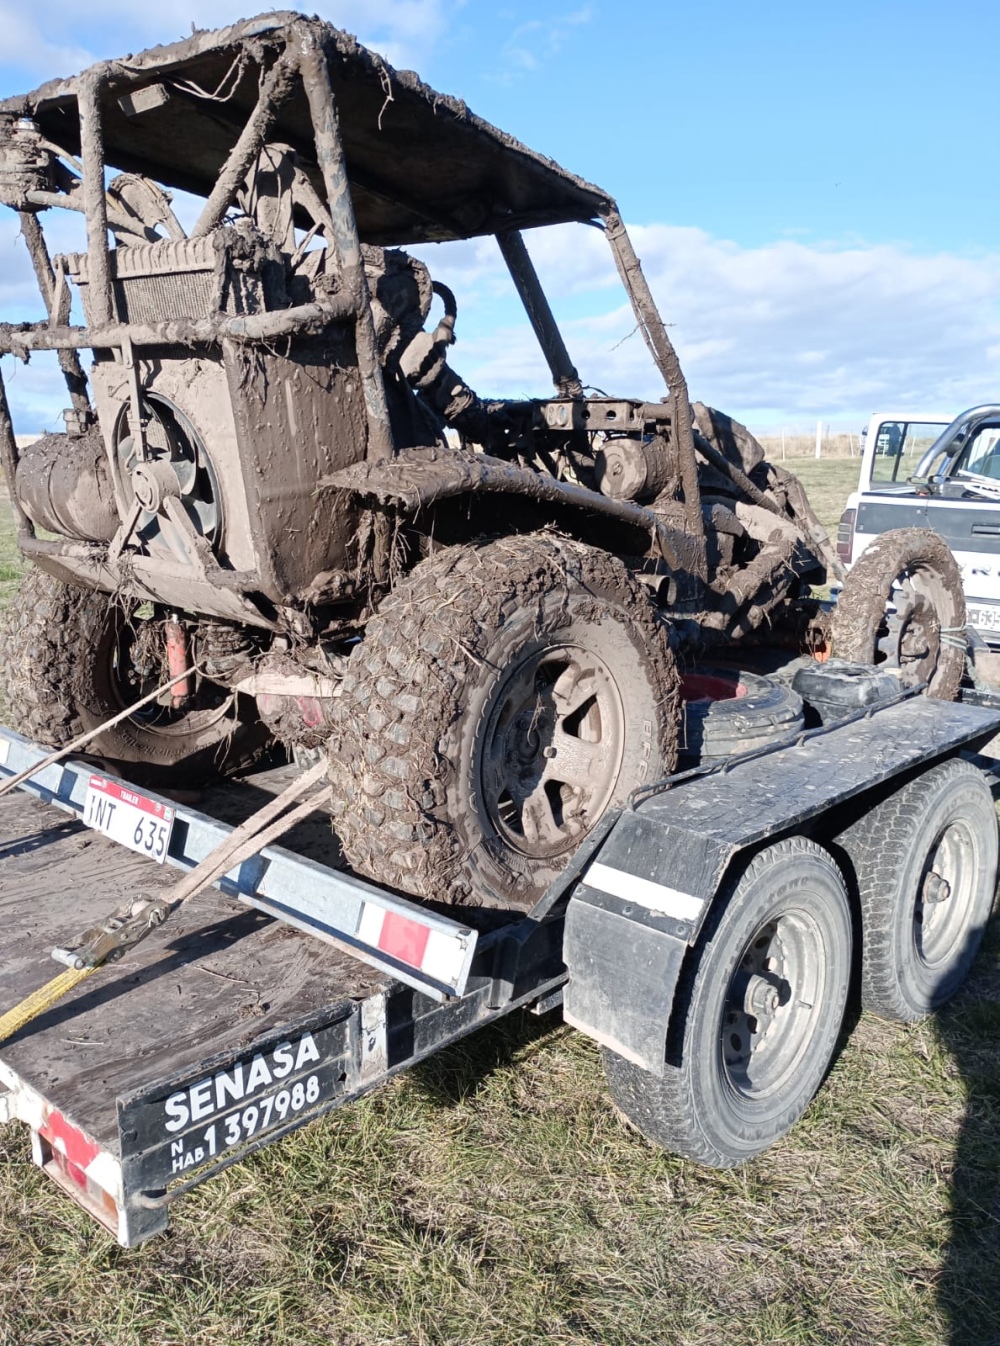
(899, 448)
(982, 453)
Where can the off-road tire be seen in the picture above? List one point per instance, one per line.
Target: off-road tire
(410, 756)
(704, 1107)
(861, 608)
(916, 951)
(57, 685)
(767, 712)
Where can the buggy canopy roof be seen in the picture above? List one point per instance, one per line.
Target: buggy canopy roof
(421, 165)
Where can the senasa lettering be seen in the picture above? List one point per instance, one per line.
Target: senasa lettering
(226, 1087)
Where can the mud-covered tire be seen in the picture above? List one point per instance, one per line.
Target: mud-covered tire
(461, 772)
(925, 636)
(744, 712)
(57, 668)
(756, 1016)
(919, 937)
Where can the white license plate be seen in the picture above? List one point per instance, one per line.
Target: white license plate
(984, 617)
(129, 818)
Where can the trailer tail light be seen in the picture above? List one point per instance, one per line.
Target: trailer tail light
(845, 535)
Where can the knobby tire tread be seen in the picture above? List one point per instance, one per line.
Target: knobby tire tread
(862, 600)
(405, 681)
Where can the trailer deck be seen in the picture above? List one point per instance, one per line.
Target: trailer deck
(228, 1029)
(225, 1029)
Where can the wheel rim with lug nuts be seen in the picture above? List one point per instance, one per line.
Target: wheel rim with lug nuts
(771, 1004)
(553, 750)
(946, 889)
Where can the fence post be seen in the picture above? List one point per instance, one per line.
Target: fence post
(819, 439)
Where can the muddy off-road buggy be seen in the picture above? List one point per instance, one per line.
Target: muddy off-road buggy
(272, 477)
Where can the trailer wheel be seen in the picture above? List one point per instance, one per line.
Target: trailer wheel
(926, 866)
(503, 698)
(903, 607)
(70, 659)
(757, 1013)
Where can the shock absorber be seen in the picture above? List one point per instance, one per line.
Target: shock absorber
(178, 657)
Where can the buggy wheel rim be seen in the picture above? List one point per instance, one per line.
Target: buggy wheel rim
(129, 682)
(909, 636)
(553, 748)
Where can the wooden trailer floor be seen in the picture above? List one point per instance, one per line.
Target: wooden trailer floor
(215, 977)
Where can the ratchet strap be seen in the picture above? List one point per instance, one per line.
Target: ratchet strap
(41, 1000)
(126, 927)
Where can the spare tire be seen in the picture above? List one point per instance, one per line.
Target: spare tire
(902, 607)
(728, 711)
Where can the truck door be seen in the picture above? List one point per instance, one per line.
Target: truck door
(967, 515)
(887, 499)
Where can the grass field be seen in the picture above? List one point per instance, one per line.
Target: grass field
(493, 1196)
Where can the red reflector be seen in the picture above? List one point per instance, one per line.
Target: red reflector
(403, 939)
(66, 1140)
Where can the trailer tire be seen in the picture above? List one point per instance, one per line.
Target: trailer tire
(64, 673)
(925, 635)
(719, 1101)
(504, 697)
(727, 711)
(919, 936)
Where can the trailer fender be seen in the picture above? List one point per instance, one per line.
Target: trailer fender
(641, 899)
(627, 931)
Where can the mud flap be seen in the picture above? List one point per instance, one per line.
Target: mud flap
(622, 977)
(627, 931)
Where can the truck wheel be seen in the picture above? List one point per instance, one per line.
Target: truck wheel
(729, 711)
(902, 606)
(72, 658)
(926, 867)
(503, 698)
(756, 1016)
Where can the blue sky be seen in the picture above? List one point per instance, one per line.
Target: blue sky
(813, 189)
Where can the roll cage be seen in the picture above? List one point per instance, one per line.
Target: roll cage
(386, 160)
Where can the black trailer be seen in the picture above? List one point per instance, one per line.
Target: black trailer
(707, 935)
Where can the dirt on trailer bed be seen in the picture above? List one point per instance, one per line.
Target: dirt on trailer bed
(217, 977)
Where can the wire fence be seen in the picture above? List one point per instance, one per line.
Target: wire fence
(781, 447)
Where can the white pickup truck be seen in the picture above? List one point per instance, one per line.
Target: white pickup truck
(924, 471)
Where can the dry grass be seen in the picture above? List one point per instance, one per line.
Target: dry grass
(828, 483)
(493, 1196)
(780, 448)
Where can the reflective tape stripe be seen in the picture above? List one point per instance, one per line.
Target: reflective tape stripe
(403, 939)
(441, 958)
(436, 953)
(644, 892)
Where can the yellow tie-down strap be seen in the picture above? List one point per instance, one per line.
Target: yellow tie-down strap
(39, 1001)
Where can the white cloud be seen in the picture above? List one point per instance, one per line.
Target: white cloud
(50, 39)
(769, 333)
(533, 43)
